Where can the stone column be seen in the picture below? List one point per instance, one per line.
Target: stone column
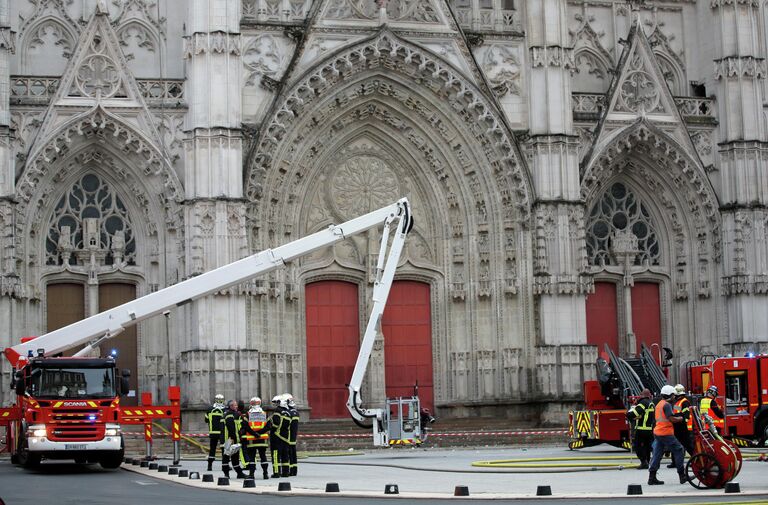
(10, 288)
(214, 209)
(7, 38)
(625, 250)
(740, 69)
(560, 255)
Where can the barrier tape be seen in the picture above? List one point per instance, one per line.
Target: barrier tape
(366, 435)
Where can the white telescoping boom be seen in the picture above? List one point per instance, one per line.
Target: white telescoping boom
(93, 330)
(385, 273)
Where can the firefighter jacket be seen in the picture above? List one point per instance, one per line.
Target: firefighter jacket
(709, 406)
(278, 425)
(293, 432)
(232, 426)
(214, 418)
(253, 424)
(682, 408)
(642, 414)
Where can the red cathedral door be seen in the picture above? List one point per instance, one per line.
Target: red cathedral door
(407, 328)
(646, 314)
(333, 341)
(602, 320)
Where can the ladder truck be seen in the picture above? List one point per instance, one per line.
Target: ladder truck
(69, 407)
(620, 382)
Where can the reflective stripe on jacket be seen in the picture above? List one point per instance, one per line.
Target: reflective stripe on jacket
(214, 418)
(705, 407)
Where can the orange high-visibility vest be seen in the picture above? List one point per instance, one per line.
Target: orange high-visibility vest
(681, 408)
(256, 420)
(663, 425)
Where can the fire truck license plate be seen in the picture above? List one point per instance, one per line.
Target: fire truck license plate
(74, 447)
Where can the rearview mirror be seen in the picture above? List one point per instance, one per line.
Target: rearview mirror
(18, 383)
(125, 385)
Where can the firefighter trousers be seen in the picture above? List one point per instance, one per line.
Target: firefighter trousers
(250, 456)
(293, 461)
(236, 459)
(280, 458)
(212, 443)
(643, 444)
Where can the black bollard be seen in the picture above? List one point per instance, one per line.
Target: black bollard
(284, 486)
(391, 489)
(195, 476)
(162, 468)
(153, 466)
(207, 477)
(543, 491)
(223, 481)
(461, 491)
(332, 487)
(732, 487)
(173, 470)
(249, 483)
(634, 489)
(183, 473)
(144, 464)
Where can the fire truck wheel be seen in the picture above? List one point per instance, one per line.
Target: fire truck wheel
(27, 459)
(112, 461)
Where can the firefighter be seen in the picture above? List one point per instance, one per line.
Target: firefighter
(213, 418)
(293, 413)
(682, 408)
(231, 432)
(279, 436)
(709, 407)
(254, 440)
(664, 437)
(641, 418)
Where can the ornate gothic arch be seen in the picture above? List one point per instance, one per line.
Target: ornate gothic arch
(388, 56)
(133, 164)
(33, 33)
(676, 178)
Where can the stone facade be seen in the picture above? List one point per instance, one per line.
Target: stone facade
(545, 145)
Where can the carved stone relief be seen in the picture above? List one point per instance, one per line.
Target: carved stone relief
(420, 11)
(502, 68)
(262, 56)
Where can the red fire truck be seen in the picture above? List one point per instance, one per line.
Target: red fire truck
(620, 381)
(742, 383)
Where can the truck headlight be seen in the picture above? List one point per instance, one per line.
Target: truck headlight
(36, 430)
(112, 430)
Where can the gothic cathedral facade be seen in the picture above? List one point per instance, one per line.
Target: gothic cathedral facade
(582, 173)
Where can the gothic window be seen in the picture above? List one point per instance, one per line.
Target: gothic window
(90, 219)
(620, 210)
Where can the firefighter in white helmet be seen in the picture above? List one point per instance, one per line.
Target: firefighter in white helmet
(278, 426)
(213, 419)
(255, 438)
(293, 413)
(664, 437)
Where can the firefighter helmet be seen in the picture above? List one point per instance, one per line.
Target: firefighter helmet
(218, 398)
(255, 401)
(667, 390)
(679, 389)
(712, 390)
(276, 400)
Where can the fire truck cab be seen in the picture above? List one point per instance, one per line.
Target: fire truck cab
(742, 383)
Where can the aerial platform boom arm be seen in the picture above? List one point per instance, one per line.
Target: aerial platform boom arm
(385, 273)
(109, 323)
